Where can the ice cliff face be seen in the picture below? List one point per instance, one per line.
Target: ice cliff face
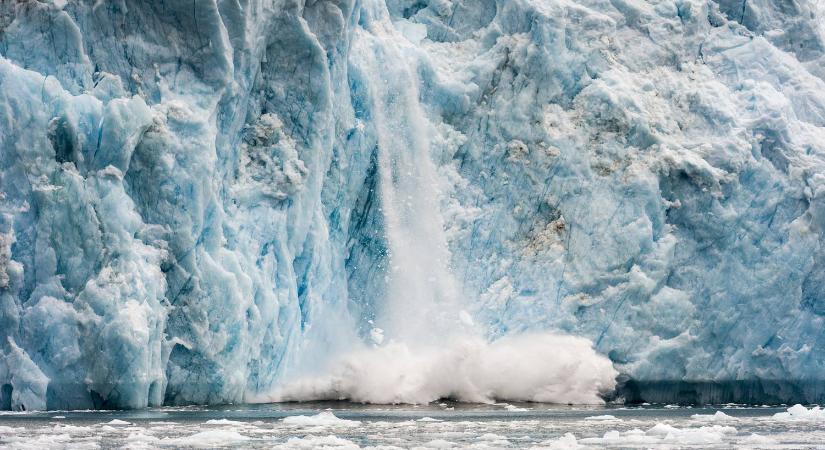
(199, 200)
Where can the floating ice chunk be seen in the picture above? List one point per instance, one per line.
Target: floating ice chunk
(118, 422)
(465, 318)
(664, 434)
(207, 439)
(223, 422)
(758, 439)
(323, 419)
(377, 336)
(514, 408)
(605, 417)
(492, 437)
(439, 443)
(718, 416)
(614, 437)
(141, 441)
(702, 435)
(61, 427)
(566, 442)
(316, 442)
(44, 442)
(799, 412)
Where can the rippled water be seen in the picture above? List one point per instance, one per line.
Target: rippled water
(344, 425)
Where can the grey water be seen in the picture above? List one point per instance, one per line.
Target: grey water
(439, 425)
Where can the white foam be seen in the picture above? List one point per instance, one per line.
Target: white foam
(324, 419)
(529, 367)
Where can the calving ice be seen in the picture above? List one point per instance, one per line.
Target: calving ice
(400, 201)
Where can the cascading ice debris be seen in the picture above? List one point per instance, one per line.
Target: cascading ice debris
(254, 200)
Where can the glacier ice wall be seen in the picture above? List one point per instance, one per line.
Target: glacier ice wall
(201, 200)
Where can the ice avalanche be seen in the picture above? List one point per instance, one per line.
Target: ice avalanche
(403, 200)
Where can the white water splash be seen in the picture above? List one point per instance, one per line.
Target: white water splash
(530, 367)
(426, 346)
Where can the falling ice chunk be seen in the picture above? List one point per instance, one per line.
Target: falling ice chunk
(465, 318)
(377, 336)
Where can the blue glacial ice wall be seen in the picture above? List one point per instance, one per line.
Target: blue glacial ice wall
(199, 200)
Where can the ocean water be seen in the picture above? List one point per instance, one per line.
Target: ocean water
(438, 425)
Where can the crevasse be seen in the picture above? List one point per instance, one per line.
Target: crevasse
(204, 202)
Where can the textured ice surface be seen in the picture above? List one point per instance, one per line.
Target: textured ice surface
(201, 201)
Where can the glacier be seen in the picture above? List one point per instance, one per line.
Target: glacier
(208, 202)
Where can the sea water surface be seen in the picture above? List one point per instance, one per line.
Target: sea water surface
(442, 425)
